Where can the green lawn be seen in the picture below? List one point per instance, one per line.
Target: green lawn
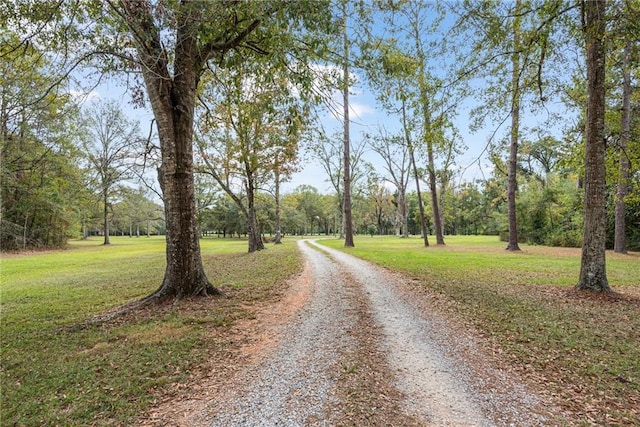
(581, 347)
(54, 374)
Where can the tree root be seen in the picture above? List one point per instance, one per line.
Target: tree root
(158, 297)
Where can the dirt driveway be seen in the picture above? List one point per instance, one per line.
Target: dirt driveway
(351, 344)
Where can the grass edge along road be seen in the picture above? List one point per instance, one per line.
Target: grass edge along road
(581, 349)
(51, 374)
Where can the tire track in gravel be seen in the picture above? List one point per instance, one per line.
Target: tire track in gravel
(424, 374)
(362, 351)
(440, 388)
(295, 385)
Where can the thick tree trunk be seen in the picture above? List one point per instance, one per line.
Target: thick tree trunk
(348, 220)
(593, 274)
(172, 99)
(512, 183)
(620, 239)
(184, 273)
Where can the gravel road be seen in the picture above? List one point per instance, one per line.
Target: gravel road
(300, 382)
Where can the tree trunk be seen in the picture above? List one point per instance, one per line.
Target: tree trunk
(172, 99)
(403, 211)
(620, 240)
(278, 237)
(85, 234)
(254, 234)
(593, 274)
(348, 221)
(426, 112)
(412, 157)
(512, 183)
(437, 223)
(441, 201)
(340, 198)
(105, 226)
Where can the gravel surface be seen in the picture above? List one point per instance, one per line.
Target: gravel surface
(425, 351)
(301, 382)
(295, 384)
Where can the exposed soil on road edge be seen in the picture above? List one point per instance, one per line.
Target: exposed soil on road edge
(248, 341)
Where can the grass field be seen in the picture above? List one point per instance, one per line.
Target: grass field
(54, 374)
(584, 349)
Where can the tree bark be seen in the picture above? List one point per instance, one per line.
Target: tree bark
(620, 239)
(348, 220)
(412, 158)
(105, 227)
(442, 199)
(437, 223)
(403, 211)
(254, 234)
(593, 274)
(172, 98)
(278, 237)
(512, 183)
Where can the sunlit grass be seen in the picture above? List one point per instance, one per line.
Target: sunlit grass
(583, 348)
(484, 257)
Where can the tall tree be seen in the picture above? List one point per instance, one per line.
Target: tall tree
(108, 147)
(172, 45)
(346, 172)
(622, 188)
(593, 275)
(512, 182)
(254, 125)
(427, 118)
(172, 78)
(415, 29)
(392, 73)
(513, 44)
(416, 173)
(395, 156)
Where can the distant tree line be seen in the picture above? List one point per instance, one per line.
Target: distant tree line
(554, 81)
(66, 171)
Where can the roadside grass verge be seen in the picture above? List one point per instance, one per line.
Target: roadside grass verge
(54, 374)
(582, 349)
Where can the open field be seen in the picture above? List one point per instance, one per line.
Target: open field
(54, 374)
(582, 349)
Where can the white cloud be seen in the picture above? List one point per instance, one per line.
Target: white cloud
(360, 110)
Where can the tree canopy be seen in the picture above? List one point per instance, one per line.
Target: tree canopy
(232, 87)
